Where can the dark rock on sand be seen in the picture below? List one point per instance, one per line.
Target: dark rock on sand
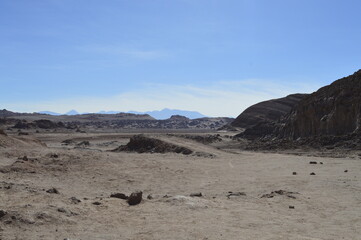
(83, 144)
(2, 213)
(235, 194)
(198, 194)
(135, 198)
(52, 190)
(74, 200)
(119, 195)
(279, 192)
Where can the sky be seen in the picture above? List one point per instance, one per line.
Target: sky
(217, 57)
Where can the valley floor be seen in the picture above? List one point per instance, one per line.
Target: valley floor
(241, 197)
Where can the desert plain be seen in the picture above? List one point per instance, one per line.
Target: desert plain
(58, 186)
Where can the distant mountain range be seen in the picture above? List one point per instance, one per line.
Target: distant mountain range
(162, 114)
(167, 113)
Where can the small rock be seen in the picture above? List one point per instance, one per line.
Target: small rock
(345, 171)
(294, 173)
(52, 190)
(97, 203)
(291, 207)
(199, 194)
(135, 198)
(313, 162)
(150, 197)
(75, 200)
(25, 158)
(235, 194)
(119, 195)
(321, 162)
(62, 210)
(312, 173)
(54, 155)
(2, 213)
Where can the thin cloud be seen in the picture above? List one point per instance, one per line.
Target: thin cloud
(219, 99)
(129, 52)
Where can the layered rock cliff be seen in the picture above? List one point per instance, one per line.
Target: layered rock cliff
(332, 110)
(267, 111)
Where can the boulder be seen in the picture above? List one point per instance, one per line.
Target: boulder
(135, 198)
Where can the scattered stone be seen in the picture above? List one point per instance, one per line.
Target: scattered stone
(25, 158)
(135, 198)
(83, 144)
(150, 197)
(23, 133)
(313, 162)
(312, 173)
(54, 155)
(291, 207)
(2, 213)
(62, 210)
(235, 194)
(321, 162)
(199, 194)
(52, 190)
(67, 142)
(294, 173)
(119, 195)
(345, 171)
(279, 192)
(74, 200)
(97, 203)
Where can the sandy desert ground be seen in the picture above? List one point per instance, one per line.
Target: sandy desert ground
(241, 197)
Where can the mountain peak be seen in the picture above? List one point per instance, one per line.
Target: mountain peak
(72, 112)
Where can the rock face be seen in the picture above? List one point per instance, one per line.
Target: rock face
(267, 111)
(332, 110)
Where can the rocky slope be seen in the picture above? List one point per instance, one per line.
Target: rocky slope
(267, 111)
(332, 110)
(329, 118)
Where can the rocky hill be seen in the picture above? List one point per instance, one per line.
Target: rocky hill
(328, 118)
(332, 110)
(267, 111)
(98, 122)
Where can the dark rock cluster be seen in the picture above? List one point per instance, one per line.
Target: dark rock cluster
(143, 144)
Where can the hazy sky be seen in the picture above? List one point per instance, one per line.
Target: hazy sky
(212, 56)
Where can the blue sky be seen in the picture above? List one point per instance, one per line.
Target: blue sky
(212, 56)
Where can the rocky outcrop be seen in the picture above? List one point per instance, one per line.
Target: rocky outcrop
(42, 123)
(267, 111)
(332, 110)
(143, 144)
